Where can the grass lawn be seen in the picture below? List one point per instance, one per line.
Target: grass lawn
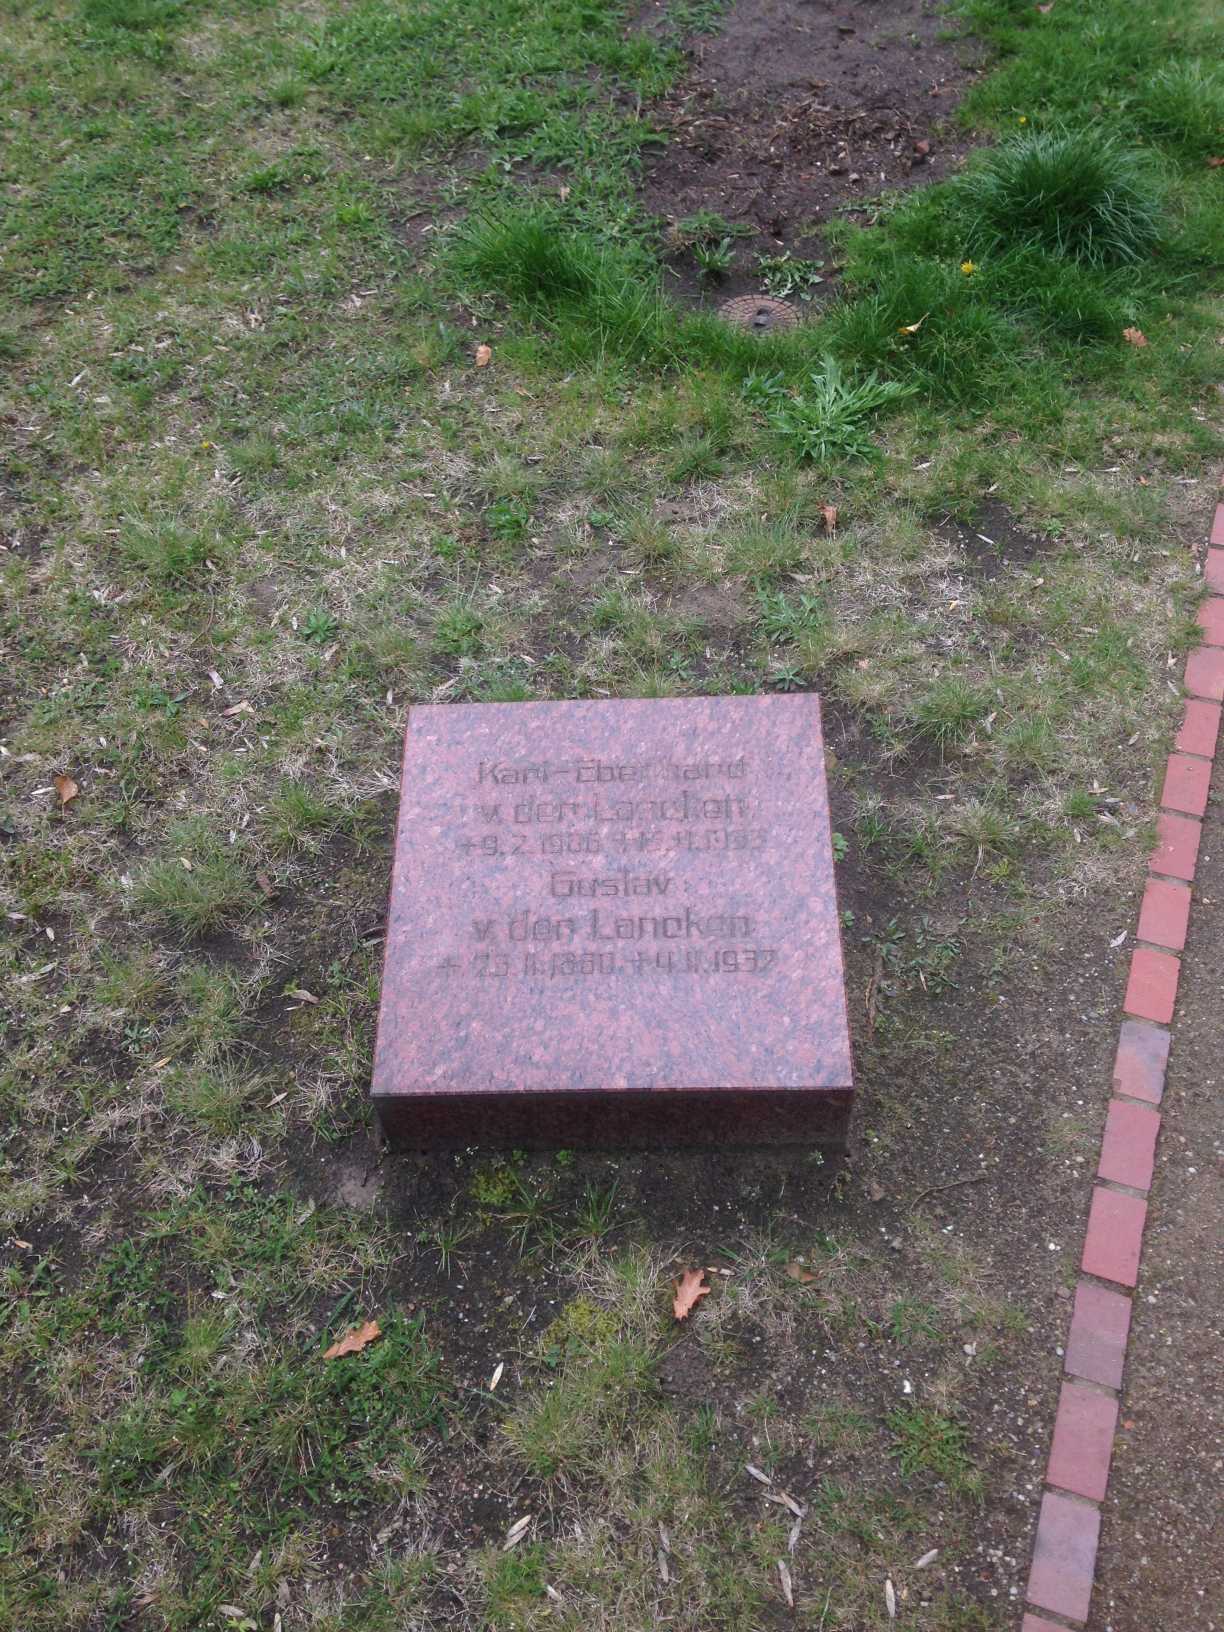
(261, 492)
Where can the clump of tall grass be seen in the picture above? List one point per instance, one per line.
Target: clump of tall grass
(532, 258)
(1081, 194)
(1183, 105)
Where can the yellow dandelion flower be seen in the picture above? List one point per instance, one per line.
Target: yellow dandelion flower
(968, 268)
(1023, 119)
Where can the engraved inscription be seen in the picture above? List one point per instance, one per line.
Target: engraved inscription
(589, 839)
(600, 772)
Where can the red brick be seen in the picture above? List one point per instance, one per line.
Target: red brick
(1152, 988)
(1200, 726)
(1165, 914)
(1211, 620)
(1213, 571)
(1083, 1441)
(1205, 672)
(1177, 842)
(1186, 785)
(1064, 1556)
(1139, 1069)
(1100, 1321)
(1114, 1239)
(1217, 525)
(1128, 1149)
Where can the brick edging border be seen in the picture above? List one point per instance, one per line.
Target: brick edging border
(1069, 1524)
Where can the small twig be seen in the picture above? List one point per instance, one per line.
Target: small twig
(934, 1189)
(873, 989)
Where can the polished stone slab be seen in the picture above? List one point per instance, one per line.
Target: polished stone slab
(614, 923)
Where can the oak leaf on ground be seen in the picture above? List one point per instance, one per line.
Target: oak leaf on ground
(355, 1340)
(66, 788)
(689, 1288)
(484, 356)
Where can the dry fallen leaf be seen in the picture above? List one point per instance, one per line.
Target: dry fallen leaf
(1049, 7)
(1214, 164)
(497, 1375)
(302, 995)
(484, 356)
(797, 1272)
(1134, 337)
(66, 788)
(761, 1478)
(353, 1342)
(829, 515)
(912, 328)
(239, 708)
(516, 1532)
(890, 1599)
(265, 884)
(689, 1288)
(784, 1576)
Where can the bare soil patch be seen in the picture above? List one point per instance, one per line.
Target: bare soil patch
(798, 109)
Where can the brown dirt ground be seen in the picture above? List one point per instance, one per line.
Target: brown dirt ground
(1163, 1530)
(798, 109)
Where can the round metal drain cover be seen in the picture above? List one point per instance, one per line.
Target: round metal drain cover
(761, 313)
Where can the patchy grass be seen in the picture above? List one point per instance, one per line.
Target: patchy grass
(260, 498)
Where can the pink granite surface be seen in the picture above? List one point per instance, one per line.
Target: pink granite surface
(609, 919)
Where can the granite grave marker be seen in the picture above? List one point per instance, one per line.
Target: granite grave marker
(614, 923)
